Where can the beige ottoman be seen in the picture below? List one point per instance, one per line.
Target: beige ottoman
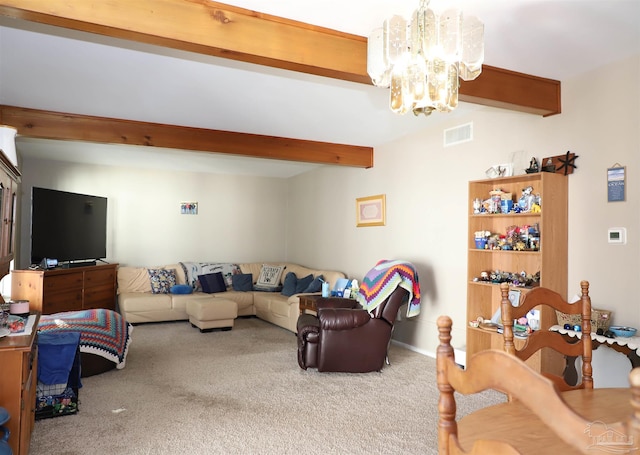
(213, 313)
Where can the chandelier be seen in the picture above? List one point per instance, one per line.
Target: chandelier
(422, 60)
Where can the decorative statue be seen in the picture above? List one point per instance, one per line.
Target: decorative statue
(533, 166)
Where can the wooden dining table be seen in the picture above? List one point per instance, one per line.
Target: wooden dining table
(513, 423)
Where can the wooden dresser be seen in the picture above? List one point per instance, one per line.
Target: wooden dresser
(18, 380)
(57, 290)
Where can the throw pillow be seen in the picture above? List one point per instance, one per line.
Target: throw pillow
(194, 269)
(315, 286)
(289, 285)
(161, 280)
(181, 289)
(242, 282)
(303, 283)
(270, 276)
(212, 283)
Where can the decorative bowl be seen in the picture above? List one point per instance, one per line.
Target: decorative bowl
(19, 307)
(620, 331)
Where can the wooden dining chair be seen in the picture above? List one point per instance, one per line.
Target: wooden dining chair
(498, 370)
(571, 348)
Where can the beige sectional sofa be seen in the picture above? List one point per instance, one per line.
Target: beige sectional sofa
(138, 304)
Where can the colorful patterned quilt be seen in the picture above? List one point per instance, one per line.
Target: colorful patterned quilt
(102, 332)
(383, 279)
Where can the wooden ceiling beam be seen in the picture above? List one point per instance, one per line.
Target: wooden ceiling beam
(210, 28)
(63, 126)
(221, 30)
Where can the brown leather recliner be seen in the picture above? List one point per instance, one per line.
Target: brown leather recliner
(345, 337)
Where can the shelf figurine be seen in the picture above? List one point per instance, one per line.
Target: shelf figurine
(527, 199)
(533, 166)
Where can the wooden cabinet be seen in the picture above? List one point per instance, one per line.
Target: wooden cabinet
(550, 260)
(18, 379)
(57, 290)
(9, 178)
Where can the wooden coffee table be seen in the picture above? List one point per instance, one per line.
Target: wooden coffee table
(308, 302)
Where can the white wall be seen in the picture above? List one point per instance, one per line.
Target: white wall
(426, 188)
(145, 226)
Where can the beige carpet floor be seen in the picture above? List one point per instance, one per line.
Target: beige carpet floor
(242, 392)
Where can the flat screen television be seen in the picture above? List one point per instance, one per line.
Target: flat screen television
(69, 227)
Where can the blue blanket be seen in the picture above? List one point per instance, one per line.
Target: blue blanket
(56, 353)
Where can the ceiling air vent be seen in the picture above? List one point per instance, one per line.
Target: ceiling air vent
(458, 134)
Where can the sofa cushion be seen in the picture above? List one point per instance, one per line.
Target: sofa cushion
(289, 284)
(133, 279)
(179, 301)
(212, 283)
(161, 280)
(242, 282)
(181, 289)
(137, 302)
(280, 307)
(270, 276)
(315, 285)
(244, 300)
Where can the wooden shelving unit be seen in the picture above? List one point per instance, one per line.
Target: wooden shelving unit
(483, 298)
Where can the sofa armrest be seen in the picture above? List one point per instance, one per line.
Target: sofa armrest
(342, 318)
(308, 328)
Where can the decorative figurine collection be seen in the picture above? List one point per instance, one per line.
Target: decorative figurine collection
(521, 279)
(501, 202)
(517, 238)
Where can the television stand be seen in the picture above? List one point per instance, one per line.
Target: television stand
(73, 265)
(57, 290)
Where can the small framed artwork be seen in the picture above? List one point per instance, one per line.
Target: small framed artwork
(370, 211)
(189, 208)
(615, 183)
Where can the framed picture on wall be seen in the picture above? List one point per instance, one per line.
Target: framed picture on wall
(370, 211)
(189, 208)
(616, 183)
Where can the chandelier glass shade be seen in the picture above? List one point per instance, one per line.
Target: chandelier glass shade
(422, 60)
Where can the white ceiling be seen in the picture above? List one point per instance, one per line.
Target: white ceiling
(48, 68)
